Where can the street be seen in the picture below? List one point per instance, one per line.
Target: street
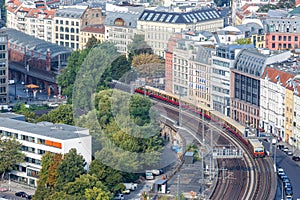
(291, 168)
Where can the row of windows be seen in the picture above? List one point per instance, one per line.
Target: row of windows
(31, 139)
(67, 37)
(221, 63)
(284, 46)
(67, 30)
(66, 22)
(283, 38)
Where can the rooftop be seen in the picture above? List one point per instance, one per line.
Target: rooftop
(190, 17)
(74, 13)
(46, 129)
(98, 28)
(35, 44)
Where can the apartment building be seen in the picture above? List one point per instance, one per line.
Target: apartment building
(191, 70)
(4, 94)
(158, 26)
(273, 100)
(222, 61)
(282, 30)
(121, 24)
(98, 31)
(69, 21)
(245, 84)
(295, 139)
(37, 139)
(32, 18)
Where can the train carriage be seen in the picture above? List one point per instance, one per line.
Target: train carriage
(229, 124)
(256, 148)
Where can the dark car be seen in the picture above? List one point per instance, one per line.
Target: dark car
(21, 194)
(280, 146)
(296, 158)
(288, 191)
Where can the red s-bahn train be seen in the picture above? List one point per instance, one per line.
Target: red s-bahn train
(229, 124)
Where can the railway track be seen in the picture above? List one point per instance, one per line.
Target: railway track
(240, 172)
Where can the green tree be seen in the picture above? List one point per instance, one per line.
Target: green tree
(10, 155)
(92, 41)
(139, 108)
(96, 194)
(243, 41)
(63, 114)
(138, 46)
(71, 167)
(68, 76)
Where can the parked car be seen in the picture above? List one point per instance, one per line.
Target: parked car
(119, 197)
(280, 146)
(280, 171)
(285, 149)
(289, 153)
(289, 191)
(21, 194)
(285, 180)
(296, 158)
(3, 189)
(287, 185)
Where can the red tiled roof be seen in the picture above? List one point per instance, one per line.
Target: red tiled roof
(274, 73)
(99, 28)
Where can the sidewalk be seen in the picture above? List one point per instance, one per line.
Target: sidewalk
(17, 187)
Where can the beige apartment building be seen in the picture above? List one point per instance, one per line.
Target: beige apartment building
(158, 26)
(98, 31)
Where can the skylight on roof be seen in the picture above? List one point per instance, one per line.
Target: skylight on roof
(149, 16)
(162, 17)
(156, 16)
(144, 16)
(186, 18)
(168, 18)
(198, 17)
(175, 18)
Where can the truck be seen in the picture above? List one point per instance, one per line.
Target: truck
(130, 186)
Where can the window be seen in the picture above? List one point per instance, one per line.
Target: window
(67, 22)
(273, 45)
(41, 141)
(61, 29)
(72, 30)
(284, 38)
(67, 38)
(72, 23)
(41, 152)
(2, 47)
(273, 37)
(61, 22)
(296, 38)
(279, 37)
(77, 23)
(289, 38)
(2, 55)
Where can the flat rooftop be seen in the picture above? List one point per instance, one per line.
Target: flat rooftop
(47, 129)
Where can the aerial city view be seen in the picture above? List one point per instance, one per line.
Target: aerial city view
(150, 100)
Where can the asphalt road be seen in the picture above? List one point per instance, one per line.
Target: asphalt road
(292, 170)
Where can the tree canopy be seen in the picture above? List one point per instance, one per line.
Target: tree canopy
(10, 155)
(126, 136)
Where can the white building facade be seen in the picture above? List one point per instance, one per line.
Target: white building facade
(272, 103)
(37, 139)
